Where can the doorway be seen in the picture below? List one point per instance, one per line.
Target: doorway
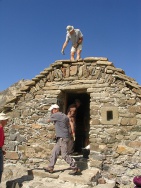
(82, 118)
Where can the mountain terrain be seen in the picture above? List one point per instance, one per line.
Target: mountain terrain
(10, 92)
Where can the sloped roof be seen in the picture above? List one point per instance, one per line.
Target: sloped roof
(84, 69)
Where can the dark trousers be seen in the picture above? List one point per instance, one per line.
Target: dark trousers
(0, 176)
(1, 163)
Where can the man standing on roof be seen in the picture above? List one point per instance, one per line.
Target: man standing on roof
(76, 37)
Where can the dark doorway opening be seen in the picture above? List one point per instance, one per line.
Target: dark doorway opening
(82, 119)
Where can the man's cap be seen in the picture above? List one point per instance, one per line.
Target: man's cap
(3, 116)
(53, 106)
(69, 28)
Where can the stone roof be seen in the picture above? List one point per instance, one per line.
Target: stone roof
(88, 68)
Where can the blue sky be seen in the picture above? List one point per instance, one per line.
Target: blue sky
(32, 33)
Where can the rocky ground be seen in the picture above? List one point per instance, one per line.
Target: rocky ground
(37, 178)
(23, 176)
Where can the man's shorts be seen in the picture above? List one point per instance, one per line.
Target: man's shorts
(75, 49)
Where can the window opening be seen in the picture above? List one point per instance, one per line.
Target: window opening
(109, 115)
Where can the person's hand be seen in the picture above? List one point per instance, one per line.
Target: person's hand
(48, 121)
(62, 52)
(76, 45)
(4, 152)
(73, 136)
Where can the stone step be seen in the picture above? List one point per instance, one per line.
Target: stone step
(59, 178)
(106, 185)
(61, 172)
(87, 176)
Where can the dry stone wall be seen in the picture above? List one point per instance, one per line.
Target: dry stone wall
(115, 115)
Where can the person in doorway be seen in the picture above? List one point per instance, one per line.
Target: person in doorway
(3, 122)
(71, 113)
(61, 122)
(82, 128)
(76, 37)
(77, 103)
(73, 121)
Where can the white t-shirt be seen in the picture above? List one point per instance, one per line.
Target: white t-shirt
(74, 37)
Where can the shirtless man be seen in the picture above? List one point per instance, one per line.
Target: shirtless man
(71, 113)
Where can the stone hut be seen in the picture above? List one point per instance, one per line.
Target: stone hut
(110, 115)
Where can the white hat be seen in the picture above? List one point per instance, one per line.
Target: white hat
(53, 106)
(3, 116)
(69, 28)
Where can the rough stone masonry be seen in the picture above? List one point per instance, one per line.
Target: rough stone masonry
(113, 103)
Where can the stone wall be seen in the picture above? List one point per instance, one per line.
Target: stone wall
(115, 115)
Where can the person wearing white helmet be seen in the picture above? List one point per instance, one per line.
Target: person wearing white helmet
(61, 122)
(76, 37)
(3, 121)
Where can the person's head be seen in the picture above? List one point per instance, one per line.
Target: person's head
(3, 119)
(77, 102)
(72, 107)
(70, 29)
(54, 108)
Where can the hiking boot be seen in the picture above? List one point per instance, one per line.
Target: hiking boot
(75, 171)
(48, 169)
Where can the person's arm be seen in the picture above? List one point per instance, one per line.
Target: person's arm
(80, 35)
(52, 118)
(48, 121)
(1, 136)
(63, 47)
(72, 122)
(65, 44)
(3, 151)
(2, 140)
(80, 40)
